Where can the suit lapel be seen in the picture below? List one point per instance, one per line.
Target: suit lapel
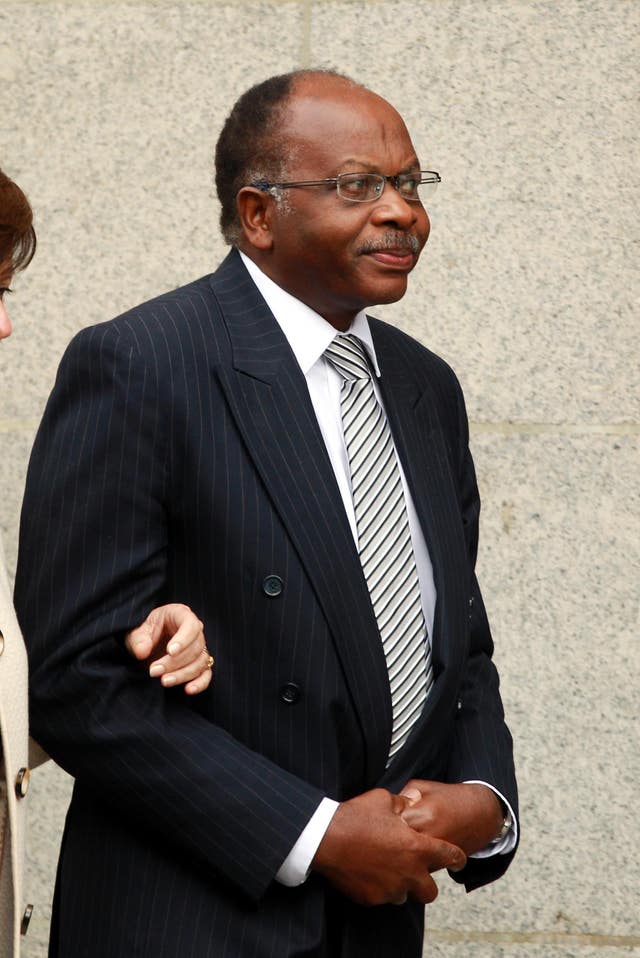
(422, 449)
(270, 403)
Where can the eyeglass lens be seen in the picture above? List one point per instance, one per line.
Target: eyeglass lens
(363, 187)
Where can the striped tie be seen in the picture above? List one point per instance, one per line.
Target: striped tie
(385, 548)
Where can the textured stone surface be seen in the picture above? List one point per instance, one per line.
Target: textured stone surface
(48, 800)
(559, 565)
(15, 446)
(544, 947)
(528, 108)
(120, 105)
(529, 111)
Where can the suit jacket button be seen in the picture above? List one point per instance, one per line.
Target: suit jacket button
(290, 693)
(471, 602)
(22, 782)
(1, 642)
(272, 586)
(26, 918)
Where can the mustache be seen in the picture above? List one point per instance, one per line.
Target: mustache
(391, 240)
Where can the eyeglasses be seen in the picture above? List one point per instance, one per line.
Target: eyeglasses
(368, 187)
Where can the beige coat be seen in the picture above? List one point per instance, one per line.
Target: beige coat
(14, 770)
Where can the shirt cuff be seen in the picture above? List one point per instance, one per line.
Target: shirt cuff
(295, 868)
(506, 844)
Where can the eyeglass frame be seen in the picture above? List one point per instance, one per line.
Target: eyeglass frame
(265, 186)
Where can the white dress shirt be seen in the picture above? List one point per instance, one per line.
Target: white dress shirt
(309, 335)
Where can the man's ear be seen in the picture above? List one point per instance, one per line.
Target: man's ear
(255, 211)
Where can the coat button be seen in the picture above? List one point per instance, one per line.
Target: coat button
(26, 918)
(290, 693)
(1, 642)
(471, 602)
(22, 782)
(272, 586)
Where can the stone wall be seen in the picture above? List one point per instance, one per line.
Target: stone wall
(528, 108)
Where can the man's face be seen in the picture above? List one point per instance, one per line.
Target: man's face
(335, 255)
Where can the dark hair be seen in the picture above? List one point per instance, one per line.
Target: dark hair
(249, 139)
(17, 235)
(251, 145)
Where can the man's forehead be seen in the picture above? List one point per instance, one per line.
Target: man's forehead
(319, 105)
(345, 122)
(325, 92)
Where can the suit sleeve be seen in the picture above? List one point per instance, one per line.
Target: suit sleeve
(482, 746)
(95, 531)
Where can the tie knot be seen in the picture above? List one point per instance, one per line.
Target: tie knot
(347, 355)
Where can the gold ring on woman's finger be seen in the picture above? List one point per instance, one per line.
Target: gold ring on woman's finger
(210, 660)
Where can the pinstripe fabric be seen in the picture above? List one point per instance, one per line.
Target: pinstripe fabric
(384, 540)
(193, 469)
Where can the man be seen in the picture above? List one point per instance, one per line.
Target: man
(19, 755)
(207, 447)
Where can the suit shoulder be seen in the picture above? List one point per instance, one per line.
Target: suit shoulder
(421, 362)
(181, 318)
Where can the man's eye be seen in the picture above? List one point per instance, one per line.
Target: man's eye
(3, 290)
(409, 185)
(355, 184)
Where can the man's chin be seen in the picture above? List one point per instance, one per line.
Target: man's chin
(391, 290)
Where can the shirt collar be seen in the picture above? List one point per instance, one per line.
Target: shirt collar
(306, 331)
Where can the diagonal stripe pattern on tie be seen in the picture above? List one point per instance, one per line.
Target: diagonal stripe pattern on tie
(384, 540)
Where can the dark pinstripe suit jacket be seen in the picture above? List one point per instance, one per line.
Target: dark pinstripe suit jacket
(179, 458)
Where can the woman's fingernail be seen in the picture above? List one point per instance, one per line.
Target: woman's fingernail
(168, 680)
(155, 670)
(174, 648)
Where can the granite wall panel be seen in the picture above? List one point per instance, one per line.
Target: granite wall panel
(528, 108)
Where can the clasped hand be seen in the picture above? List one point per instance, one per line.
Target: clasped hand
(382, 848)
(467, 814)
